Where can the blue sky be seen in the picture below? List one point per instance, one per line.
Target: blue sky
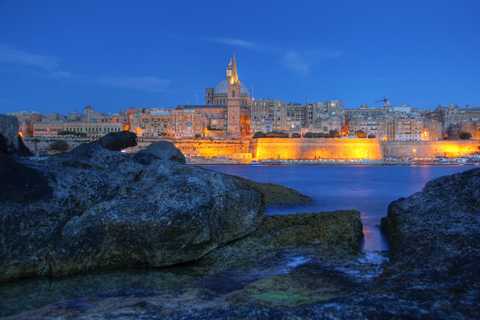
(56, 56)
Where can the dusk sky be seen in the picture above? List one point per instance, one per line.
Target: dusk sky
(56, 56)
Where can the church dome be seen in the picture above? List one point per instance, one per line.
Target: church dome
(222, 88)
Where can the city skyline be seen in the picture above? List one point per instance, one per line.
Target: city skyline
(59, 56)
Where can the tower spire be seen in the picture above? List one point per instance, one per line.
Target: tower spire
(234, 77)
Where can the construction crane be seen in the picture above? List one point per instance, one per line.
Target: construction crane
(384, 102)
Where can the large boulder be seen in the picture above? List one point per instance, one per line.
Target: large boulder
(439, 226)
(117, 141)
(10, 141)
(8, 134)
(435, 247)
(164, 150)
(277, 195)
(102, 209)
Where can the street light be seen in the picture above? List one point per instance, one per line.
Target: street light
(415, 150)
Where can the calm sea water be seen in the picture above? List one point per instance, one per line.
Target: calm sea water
(368, 189)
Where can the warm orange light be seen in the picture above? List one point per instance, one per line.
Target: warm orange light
(20, 134)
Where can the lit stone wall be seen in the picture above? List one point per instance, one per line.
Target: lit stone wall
(213, 148)
(301, 148)
(428, 149)
(316, 149)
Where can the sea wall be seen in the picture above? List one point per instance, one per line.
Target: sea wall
(429, 149)
(212, 148)
(301, 148)
(266, 148)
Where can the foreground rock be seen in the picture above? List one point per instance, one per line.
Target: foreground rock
(117, 141)
(438, 227)
(163, 150)
(281, 264)
(435, 243)
(10, 141)
(434, 272)
(93, 208)
(330, 234)
(276, 195)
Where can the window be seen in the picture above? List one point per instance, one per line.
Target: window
(233, 94)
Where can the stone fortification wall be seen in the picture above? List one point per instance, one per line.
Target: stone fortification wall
(39, 144)
(290, 148)
(429, 149)
(213, 148)
(316, 148)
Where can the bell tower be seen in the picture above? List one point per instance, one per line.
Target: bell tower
(234, 103)
(209, 96)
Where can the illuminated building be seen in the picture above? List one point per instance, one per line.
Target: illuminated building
(25, 122)
(226, 112)
(473, 127)
(372, 127)
(152, 122)
(269, 115)
(219, 95)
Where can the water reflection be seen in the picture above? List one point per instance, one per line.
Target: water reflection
(31, 294)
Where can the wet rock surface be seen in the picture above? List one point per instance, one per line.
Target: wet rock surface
(433, 273)
(330, 235)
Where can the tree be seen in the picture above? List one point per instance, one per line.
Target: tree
(259, 134)
(360, 134)
(334, 133)
(320, 135)
(371, 136)
(197, 135)
(72, 133)
(59, 145)
(465, 135)
(308, 135)
(296, 135)
(277, 134)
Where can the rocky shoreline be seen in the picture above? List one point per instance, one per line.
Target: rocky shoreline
(97, 209)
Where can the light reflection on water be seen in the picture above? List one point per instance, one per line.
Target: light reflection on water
(368, 189)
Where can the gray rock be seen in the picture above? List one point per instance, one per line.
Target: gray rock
(164, 150)
(23, 150)
(100, 209)
(9, 135)
(438, 226)
(435, 246)
(277, 195)
(117, 141)
(434, 273)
